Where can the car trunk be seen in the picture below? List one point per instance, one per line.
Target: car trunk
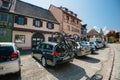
(63, 52)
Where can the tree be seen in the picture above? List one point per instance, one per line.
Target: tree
(111, 36)
(111, 39)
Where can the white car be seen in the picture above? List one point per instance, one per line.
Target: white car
(9, 59)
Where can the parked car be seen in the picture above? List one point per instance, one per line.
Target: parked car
(9, 59)
(101, 45)
(92, 47)
(103, 42)
(82, 49)
(51, 53)
(97, 46)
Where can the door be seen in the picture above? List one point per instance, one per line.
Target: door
(37, 38)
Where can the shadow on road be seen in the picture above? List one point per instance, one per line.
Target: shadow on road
(89, 59)
(95, 53)
(10, 77)
(67, 71)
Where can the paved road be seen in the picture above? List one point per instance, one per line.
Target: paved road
(116, 68)
(82, 68)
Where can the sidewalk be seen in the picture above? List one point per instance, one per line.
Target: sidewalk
(107, 65)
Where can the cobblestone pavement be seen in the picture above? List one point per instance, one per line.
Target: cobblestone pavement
(116, 68)
(80, 69)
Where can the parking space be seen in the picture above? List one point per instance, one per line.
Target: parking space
(81, 68)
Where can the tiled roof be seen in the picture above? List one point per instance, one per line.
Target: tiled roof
(30, 10)
(93, 32)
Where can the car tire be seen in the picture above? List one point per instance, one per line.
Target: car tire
(43, 61)
(92, 51)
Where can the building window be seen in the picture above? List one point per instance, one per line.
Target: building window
(37, 23)
(3, 17)
(21, 20)
(5, 5)
(77, 22)
(75, 30)
(68, 28)
(3, 31)
(50, 25)
(20, 39)
(67, 18)
(82, 32)
(8, 0)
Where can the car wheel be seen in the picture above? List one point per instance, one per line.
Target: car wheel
(76, 56)
(43, 61)
(92, 51)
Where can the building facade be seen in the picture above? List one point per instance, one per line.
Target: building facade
(93, 35)
(84, 32)
(6, 21)
(69, 23)
(118, 36)
(31, 24)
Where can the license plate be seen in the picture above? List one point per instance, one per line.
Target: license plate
(1, 67)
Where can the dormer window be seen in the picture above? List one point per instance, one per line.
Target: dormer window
(5, 5)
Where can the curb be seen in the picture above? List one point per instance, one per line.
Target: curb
(107, 67)
(111, 64)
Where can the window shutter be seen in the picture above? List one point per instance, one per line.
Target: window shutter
(52, 26)
(47, 25)
(16, 19)
(33, 22)
(41, 23)
(25, 20)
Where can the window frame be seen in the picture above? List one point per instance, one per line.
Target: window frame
(19, 17)
(52, 25)
(35, 23)
(3, 33)
(7, 17)
(4, 5)
(22, 41)
(68, 27)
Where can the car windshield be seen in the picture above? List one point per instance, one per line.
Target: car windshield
(6, 50)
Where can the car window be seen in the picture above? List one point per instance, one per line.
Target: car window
(48, 47)
(6, 50)
(40, 46)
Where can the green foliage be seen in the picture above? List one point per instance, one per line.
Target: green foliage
(111, 39)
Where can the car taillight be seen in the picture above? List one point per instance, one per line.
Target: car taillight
(56, 53)
(14, 55)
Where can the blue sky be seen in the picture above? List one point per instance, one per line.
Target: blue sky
(98, 14)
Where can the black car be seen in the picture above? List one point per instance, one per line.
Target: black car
(51, 53)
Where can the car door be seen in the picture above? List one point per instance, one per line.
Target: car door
(37, 53)
(47, 51)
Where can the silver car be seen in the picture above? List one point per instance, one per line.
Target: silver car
(9, 59)
(82, 50)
